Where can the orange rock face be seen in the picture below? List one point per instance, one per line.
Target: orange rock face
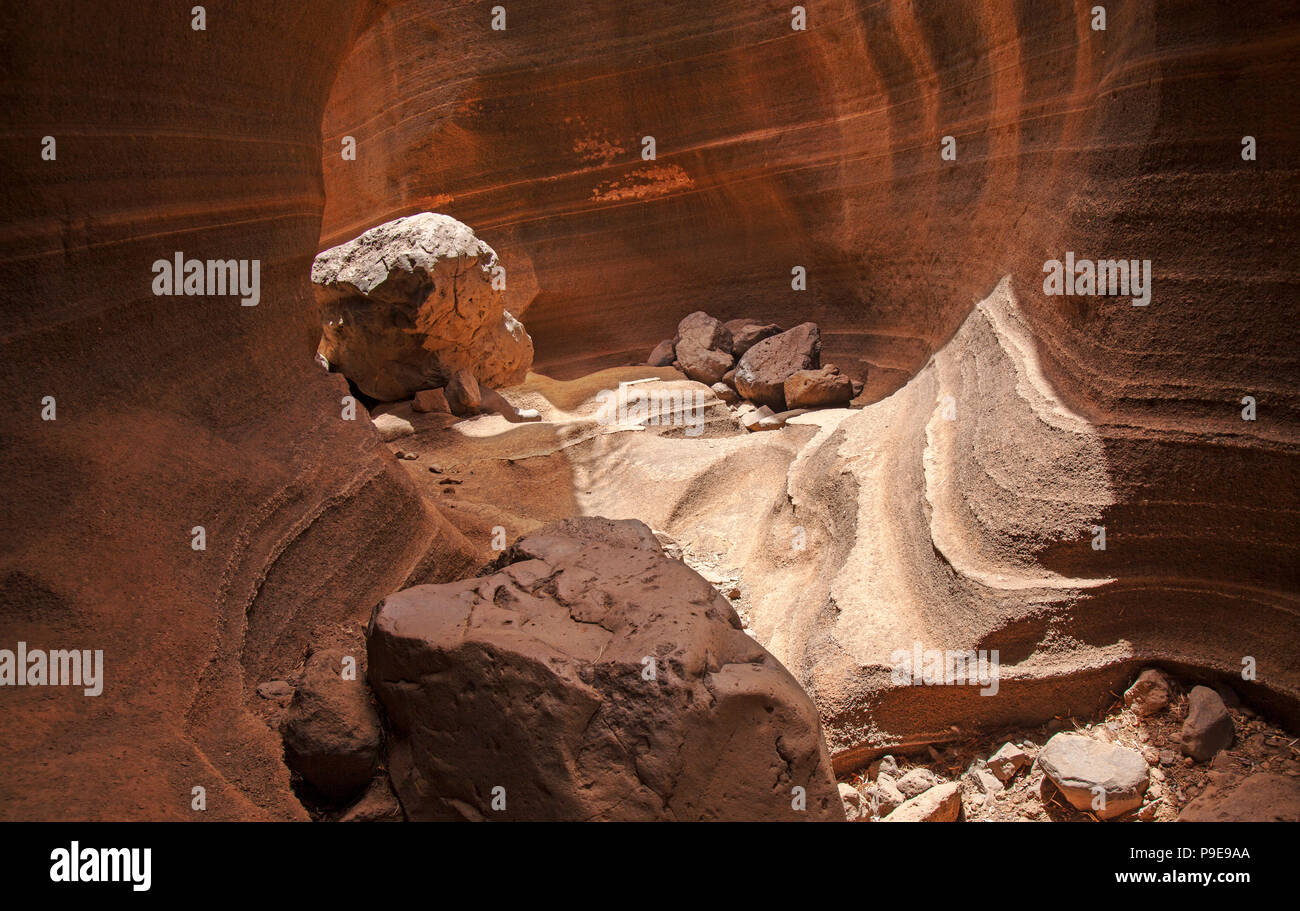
(775, 151)
(175, 412)
(824, 149)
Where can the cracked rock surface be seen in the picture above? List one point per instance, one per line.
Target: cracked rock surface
(591, 677)
(410, 302)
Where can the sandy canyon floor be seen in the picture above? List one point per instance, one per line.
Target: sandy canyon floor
(757, 513)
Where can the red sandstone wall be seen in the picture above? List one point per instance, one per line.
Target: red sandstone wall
(775, 149)
(821, 148)
(173, 412)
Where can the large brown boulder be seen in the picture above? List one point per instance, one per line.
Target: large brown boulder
(704, 365)
(704, 331)
(591, 677)
(407, 303)
(762, 372)
(703, 348)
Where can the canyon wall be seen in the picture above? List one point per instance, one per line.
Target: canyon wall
(821, 148)
(173, 412)
(775, 149)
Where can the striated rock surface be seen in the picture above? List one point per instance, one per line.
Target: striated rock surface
(175, 412)
(591, 677)
(411, 302)
(958, 515)
(182, 411)
(966, 513)
(1123, 143)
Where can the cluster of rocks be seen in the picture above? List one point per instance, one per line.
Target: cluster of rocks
(920, 794)
(465, 396)
(776, 372)
(439, 407)
(1207, 729)
(1090, 771)
(642, 687)
(412, 313)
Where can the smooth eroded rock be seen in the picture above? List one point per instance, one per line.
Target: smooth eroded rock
(332, 732)
(1085, 769)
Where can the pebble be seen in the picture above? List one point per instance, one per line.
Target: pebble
(918, 781)
(1208, 728)
(1007, 761)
